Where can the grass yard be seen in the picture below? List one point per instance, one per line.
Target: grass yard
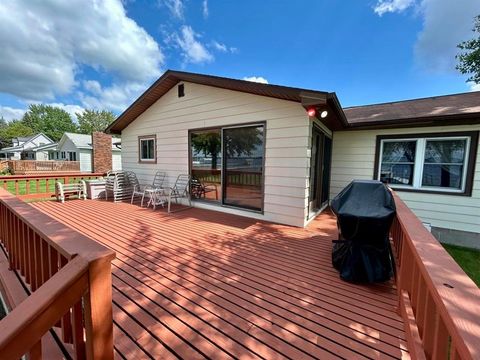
(42, 186)
(468, 259)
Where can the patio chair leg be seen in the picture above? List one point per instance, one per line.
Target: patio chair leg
(131, 200)
(143, 197)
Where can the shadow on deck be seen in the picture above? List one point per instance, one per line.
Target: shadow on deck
(204, 284)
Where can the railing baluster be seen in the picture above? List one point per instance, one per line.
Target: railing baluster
(23, 250)
(421, 300)
(28, 241)
(38, 261)
(78, 333)
(441, 339)
(45, 260)
(67, 335)
(16, 251)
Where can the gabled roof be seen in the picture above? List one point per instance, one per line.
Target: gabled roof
(438, 110)
(24, 141)
(82, 141)
(51, 146)
(170, 78)
(446, 109)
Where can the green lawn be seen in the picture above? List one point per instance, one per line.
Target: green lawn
(42, 184)
(468, 259)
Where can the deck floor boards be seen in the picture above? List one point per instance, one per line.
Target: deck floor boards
(202, 284)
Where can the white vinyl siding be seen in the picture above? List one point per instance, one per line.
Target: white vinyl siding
(287, 141)
(353, 157)
(116, 160)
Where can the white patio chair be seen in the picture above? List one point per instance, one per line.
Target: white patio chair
(180, 190)
(118, 184)
(156, 190)
(150, 190)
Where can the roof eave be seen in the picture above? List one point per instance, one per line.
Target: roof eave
(453, 119)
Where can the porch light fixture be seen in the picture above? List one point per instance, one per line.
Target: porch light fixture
(311, 112)
(324, 114)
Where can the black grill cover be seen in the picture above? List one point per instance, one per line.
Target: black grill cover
(365, 211)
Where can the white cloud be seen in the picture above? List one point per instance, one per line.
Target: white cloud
(445, 25)
(205, 9)
(386, 6)
(176, 7)
(220, 47)
(92, 86)
(9, 113)
(45, 43)
(258, 79)
(115, 97)
(474, 87)
(193, 51)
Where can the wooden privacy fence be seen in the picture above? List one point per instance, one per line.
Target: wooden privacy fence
(437, 300)
(25, 167)
(69, 276)
(27, 186)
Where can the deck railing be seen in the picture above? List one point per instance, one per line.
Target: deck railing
(41, 185)
(69, 276)
(24, 167)
(437, 300)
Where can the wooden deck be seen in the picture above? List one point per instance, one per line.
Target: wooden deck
(201, 284)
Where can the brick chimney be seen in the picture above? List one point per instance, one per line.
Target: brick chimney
(102, 152)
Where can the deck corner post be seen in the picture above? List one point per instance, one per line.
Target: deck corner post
(98, 311)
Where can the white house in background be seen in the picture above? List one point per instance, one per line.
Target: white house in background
(78, 147)
(33, 147)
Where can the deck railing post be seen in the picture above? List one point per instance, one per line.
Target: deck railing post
(98, 311)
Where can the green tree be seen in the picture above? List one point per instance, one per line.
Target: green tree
(50, 120)
(94, 120)
(208, 143)
(469, 58)
(13, 129)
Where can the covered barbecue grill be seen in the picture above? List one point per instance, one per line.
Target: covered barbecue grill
(365, 211)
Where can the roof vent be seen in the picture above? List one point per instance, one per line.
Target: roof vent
(181, 90)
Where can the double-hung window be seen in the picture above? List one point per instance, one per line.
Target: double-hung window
(147, 149)
(441, 163)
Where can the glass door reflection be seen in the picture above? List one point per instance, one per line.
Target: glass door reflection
(206, 164)
(243, 149)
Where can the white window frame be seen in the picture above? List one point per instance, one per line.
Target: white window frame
(419, 163)
(147, 138)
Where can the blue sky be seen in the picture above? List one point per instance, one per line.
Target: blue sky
(102, 54)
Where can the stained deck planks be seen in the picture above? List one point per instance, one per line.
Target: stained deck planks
(201, 284)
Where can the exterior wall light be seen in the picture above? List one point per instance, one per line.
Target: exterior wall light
(324, 114)
(311, 112)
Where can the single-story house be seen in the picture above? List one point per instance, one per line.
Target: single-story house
(27, 148)
(280, 153)
(78, 147)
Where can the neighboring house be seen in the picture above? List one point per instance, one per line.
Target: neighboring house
(78, 147)
(27, 148)
(279, 154)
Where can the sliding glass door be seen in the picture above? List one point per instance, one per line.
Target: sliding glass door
(226, 165)
(206, 164)
(243, 149)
